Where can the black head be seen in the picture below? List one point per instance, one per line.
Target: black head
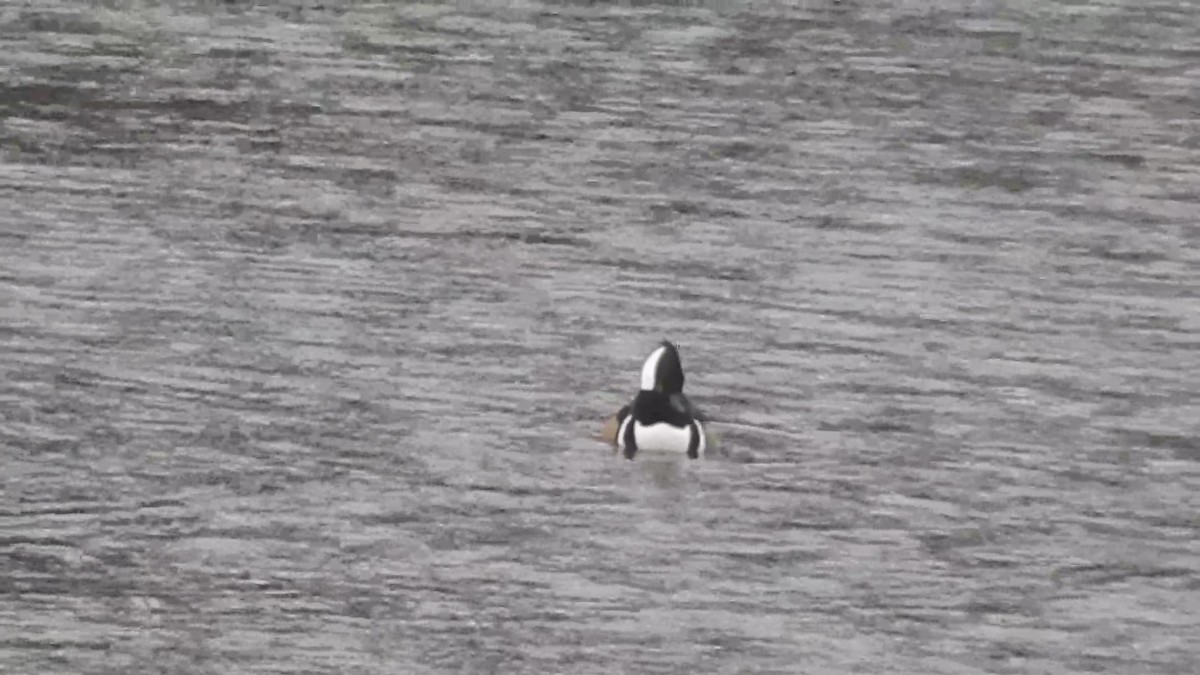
(663, 371)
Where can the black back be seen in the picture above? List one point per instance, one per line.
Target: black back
(652, 407)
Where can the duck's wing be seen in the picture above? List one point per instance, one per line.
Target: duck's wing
(712, 442)
(683, 404)
(613, 424)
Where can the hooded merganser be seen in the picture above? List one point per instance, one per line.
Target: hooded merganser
(660, 418)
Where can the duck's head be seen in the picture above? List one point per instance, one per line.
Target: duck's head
(663, 371)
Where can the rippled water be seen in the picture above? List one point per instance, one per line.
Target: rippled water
(309, 313)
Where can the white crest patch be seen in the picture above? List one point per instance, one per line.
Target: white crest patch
(650, 369)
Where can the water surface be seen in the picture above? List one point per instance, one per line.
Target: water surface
(309, 313)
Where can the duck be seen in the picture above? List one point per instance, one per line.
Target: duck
(660, 418)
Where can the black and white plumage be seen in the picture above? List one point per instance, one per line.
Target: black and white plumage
(661, 418)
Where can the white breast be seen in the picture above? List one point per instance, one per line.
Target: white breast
(662, 437)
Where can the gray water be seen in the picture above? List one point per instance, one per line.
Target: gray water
(310, 312)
